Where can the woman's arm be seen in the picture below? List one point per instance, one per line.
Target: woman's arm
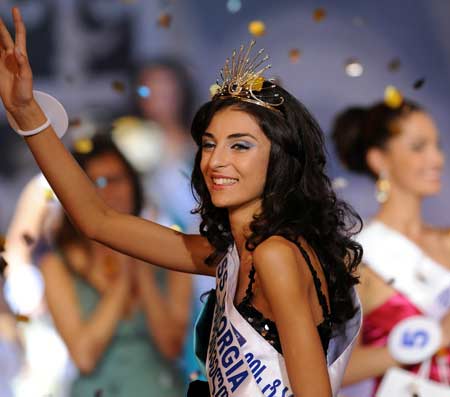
(286, 287)
(167, 312)
(367, 361)
(133, 236)
(86, 339)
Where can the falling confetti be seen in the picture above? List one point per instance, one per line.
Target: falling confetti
(143, 91)
(257, 28)
(194, 375)
(353, 68)
(165, 20)
(76, 122)
(49, 194)
(392, 97)
(83, 146)
(394, 64)
(29, 240)
(21, 318)
(176, 227)
(101, 182)
(294, 55)
(214, 89)
(2, 243)
(319, 14)
(418, 84)
(339, 183)
(234, 6)
(118, 86)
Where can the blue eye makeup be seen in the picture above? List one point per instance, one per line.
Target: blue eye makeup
(242, 146)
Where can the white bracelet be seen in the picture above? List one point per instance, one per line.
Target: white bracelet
(36, 130)
(53, 110)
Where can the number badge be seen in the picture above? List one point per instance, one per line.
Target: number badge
(414, 339)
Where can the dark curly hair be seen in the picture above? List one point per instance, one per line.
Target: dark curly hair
(358, 129)
(297, 201)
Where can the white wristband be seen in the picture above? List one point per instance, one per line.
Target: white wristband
(36, 130)
(52, 108)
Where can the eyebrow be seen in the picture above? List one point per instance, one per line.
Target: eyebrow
(232, 136)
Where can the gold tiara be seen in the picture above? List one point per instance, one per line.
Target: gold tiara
(242, 80)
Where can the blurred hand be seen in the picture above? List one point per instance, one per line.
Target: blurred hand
(16, 78)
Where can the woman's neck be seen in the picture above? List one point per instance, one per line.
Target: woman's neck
(240, 219)
(403, 212)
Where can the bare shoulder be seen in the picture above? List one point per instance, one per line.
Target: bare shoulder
(277, 259)
(275, 249)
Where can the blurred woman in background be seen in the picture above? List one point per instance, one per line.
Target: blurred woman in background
(407, 261)
(123, 321)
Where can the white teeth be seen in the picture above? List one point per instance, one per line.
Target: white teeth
(224, 181)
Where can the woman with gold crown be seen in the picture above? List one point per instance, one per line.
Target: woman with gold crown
(284, 315)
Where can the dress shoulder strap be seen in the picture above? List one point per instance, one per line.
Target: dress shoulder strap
(317, 283)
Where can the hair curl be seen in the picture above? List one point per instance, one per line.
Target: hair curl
(297, 201)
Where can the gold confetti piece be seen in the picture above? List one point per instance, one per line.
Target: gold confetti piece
(319, 14)
(76, 122)
(214, 89)
(83, 146)
(118, 86)
(3, 265)
(418, 84)
(294, 55)
(176, 227)
(21, 318)
(353, 67)
(2, 243)
(394, 64)
(257, 28)
(392, 97)
(49, 194)
(29, 240)
(165, 20)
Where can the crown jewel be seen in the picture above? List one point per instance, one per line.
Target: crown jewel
(242, 79)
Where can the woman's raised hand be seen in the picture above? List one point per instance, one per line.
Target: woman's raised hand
(16, 78)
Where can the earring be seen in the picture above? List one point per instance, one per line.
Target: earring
(383, 188)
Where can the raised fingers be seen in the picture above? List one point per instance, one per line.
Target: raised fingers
(21, 41)
(6, 42)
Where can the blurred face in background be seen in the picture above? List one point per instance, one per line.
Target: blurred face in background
(413, 158)
(163, 103)
(113, 182)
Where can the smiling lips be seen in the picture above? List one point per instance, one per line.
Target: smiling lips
(223, 182)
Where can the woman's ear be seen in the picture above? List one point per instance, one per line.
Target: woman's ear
(377, 161)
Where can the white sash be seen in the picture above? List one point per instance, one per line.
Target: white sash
(402, 264)
(240, 362)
